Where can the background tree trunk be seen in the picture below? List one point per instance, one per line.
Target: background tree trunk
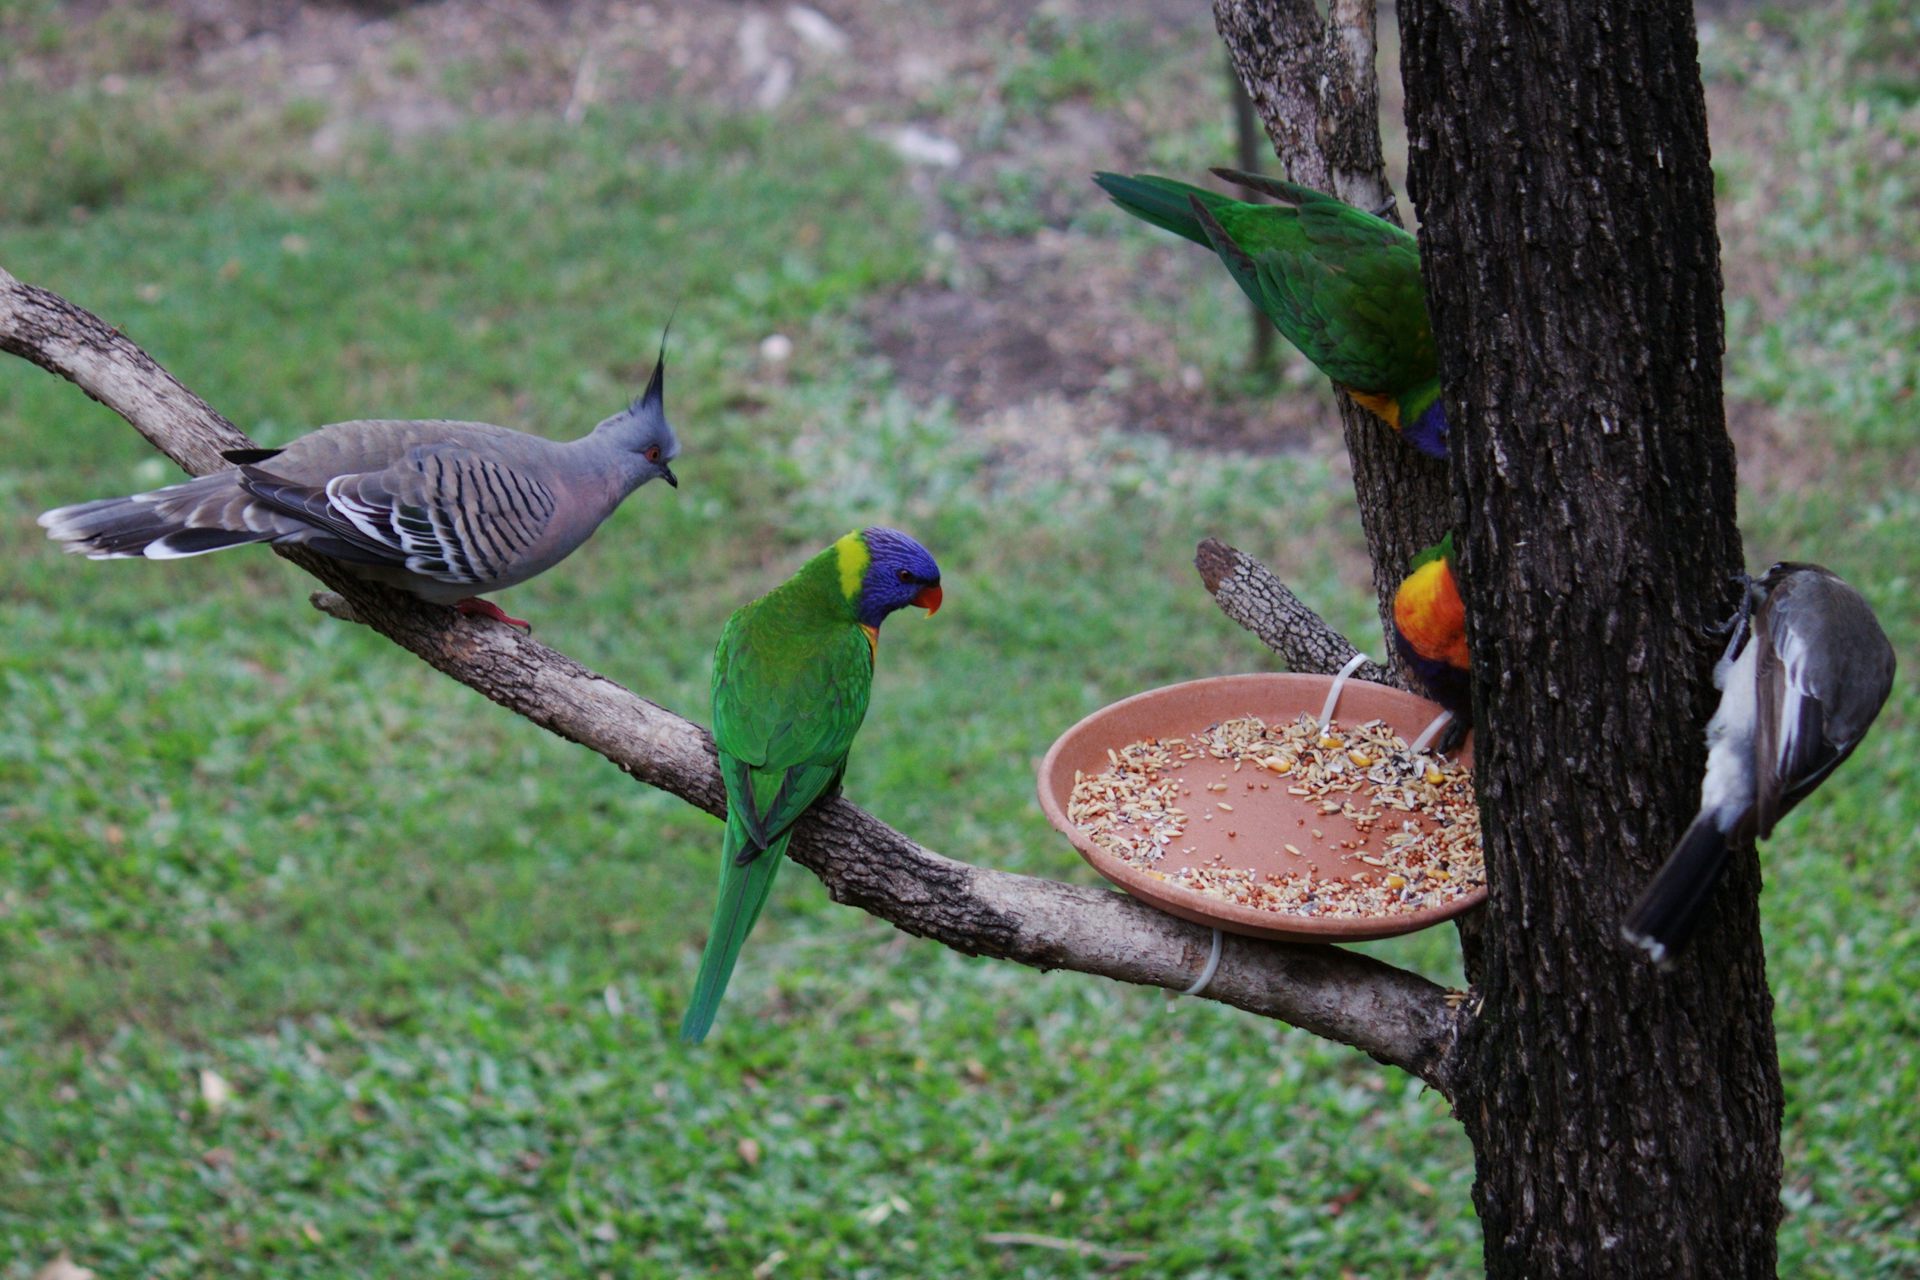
(1625, 1122)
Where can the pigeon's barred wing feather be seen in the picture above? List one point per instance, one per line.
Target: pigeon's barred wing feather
(442, 512)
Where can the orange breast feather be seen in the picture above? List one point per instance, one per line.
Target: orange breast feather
(1428, 611)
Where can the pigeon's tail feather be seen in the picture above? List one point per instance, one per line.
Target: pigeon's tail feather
(1162, 201)
(743, 892)
(198, 542)
(191, 519)
(1669, 908)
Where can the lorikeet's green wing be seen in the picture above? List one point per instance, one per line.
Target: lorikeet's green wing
(1349, 297)
(1340, 283)
(1358, 293)
(788, 699)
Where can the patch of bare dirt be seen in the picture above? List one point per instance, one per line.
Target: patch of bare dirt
(1028, 309)
(1047, 319)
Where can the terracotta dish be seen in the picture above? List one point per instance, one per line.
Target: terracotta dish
(1263, 820)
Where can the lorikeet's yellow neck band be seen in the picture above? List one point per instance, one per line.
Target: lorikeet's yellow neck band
(851, 554)
(1429, 613)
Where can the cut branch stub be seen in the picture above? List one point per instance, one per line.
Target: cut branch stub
(1249, 593)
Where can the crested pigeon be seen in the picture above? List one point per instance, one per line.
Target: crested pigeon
(445, 510)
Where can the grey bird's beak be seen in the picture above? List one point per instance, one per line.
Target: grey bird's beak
(666, 473)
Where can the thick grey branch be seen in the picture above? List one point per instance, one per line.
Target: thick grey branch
(1248, 592)
(1349, 126)
(1398, 1017)
(1275, 46)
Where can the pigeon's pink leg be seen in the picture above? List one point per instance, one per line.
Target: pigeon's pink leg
(474, 606)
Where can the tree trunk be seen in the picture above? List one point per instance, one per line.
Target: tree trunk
(1625, 1122)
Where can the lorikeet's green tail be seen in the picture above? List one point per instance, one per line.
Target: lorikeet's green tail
(743, 891)
(1163, 202)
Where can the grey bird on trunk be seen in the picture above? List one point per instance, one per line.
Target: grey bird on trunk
(1797, 697)
(446, 510)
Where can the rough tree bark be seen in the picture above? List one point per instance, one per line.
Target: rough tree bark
(1625, 1122)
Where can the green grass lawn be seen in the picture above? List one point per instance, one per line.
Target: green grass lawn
(440, 956)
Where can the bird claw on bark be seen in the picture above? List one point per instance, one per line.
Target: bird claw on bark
(474, 607)
(1452, 736)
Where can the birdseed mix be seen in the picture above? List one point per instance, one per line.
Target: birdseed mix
(1418, 829)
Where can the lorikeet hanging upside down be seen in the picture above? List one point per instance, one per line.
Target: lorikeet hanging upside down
(1797, 695)
(1430, 629)
(790, 685)
(1339, 283)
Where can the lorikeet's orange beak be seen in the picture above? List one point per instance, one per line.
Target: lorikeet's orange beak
(929, 599)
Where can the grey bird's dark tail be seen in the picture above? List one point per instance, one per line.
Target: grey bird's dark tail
(1669, 908)
(191, 519)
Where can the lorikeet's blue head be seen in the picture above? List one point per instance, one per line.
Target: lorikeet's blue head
(1423, 420)
(898, 572)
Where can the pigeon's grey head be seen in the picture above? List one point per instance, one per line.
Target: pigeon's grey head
(655, 440)
(1780, 570)
(642, 428)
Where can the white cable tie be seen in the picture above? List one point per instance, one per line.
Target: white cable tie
(1339, 683)
(1206, 974)
(1431, 732)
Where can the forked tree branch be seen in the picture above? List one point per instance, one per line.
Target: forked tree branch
(1396, 1016)
(1312, 81)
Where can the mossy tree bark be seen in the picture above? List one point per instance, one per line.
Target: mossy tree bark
(1625, 1122)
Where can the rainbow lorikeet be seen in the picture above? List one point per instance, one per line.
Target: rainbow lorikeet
(791, 679)
(1430, 628)
(1339, 283)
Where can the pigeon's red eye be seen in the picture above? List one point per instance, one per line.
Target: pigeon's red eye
(653, 453)
(905, 576)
